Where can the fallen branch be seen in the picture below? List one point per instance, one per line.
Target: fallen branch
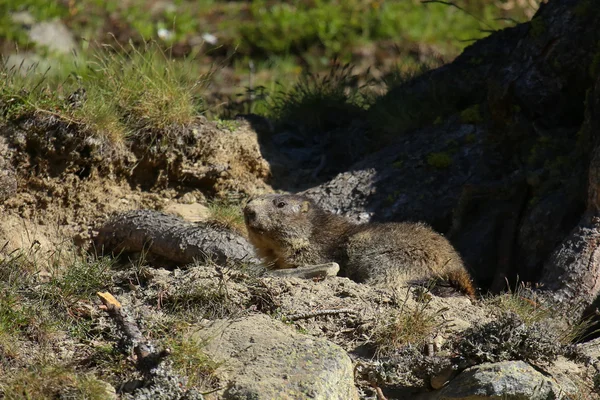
(146, 356)
(312, 314)
(172, 238)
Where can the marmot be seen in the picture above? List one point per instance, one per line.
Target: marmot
(291, 231)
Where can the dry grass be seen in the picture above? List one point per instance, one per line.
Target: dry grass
(51, 382)
(531, 308)
(407, 325)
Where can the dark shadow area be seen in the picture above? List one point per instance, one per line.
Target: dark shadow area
(499, 162)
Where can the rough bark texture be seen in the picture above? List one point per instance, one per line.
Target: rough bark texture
(505, 174)
(572, 274)
(172, 238)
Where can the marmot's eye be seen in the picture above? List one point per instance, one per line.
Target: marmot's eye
(280, 204)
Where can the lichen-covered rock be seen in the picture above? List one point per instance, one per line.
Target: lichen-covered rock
(504, 380)
(264, 359)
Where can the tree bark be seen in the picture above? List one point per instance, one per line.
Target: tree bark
(172, 238)
(572, 273)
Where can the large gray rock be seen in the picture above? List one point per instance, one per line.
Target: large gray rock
(54, 35)
(510, 380)
(266, 359)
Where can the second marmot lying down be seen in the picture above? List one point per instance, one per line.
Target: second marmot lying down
(292, 231)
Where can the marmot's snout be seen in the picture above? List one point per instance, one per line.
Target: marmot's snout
(249, 213)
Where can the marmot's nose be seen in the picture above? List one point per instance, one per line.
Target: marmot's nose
(249, 214)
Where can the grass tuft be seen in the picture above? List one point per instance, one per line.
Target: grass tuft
(527, 305)
(227, 214)
(406, 326)
(51, 382)
(78, 281)
(190, 360)
(117, 93)
(147, 87)
(319, 104)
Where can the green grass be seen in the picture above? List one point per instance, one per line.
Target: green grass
(523, 302)
(227, 214)
(78, 281)
(135, 90)
(266, 27)
(130, 92)
(51, 382)
(190, 361)
(321, 103)
(35, 309)
(283, 28)
(531, 309)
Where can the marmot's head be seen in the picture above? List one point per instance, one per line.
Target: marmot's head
(280, 217)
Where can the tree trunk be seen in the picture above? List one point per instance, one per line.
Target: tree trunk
(172, 238)
(572, 274)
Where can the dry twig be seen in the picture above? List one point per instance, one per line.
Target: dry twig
(312, 314)
(147, 356)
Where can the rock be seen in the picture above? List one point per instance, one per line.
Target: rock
(8, 184)
(8, 179)
(172, 238)
(189, 212)
(54, 35)
(264, 359)
(505, 380)
(27, 61)
(22, 18)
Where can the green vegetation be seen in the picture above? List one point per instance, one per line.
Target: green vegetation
(190, 360)
(525, 305)
(275, 28)
(439, 160)
(522, 302)
(133, 85)
(227, 214)
(471, 115)
(79, 280)
(117, 94)
(321, 103)
(43, 302)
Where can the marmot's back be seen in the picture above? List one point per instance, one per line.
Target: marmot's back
(394, 253)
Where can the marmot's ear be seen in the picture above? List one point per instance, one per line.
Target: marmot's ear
(305, 206)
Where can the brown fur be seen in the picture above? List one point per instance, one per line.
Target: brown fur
(290, 231)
